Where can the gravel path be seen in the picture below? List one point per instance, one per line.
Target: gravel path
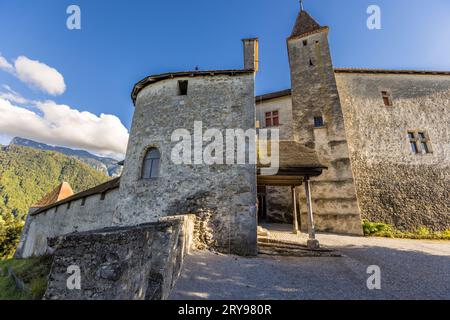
(410, 269)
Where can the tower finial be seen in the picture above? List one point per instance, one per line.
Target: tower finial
(301, 5)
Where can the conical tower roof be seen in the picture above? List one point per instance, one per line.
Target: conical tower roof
(63, 191)
(304, 24)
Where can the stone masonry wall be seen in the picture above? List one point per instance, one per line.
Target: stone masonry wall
(94, 214)
(394, 185)
(223, 196)
(284, 106)
(314, 94)
(279, 204)
(279, 199)
(130, 263)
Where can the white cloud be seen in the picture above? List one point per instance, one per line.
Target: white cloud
(5, 65)
(35, 74)
(12, 95)
(64, 126)
(39, 75)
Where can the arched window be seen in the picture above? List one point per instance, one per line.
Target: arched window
(150, 168)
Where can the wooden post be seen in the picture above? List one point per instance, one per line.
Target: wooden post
(312, 242)
(294, 210)
(311, 229)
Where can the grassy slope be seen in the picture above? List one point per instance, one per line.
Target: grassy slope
(33, 272)
(27, 175)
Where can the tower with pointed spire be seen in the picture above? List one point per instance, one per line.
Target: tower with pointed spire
(318, 123)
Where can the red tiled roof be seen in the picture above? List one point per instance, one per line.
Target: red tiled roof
(63, 191)
(103, 188)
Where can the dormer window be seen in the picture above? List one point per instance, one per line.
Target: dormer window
(182, 87)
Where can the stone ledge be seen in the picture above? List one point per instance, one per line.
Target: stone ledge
(127, 263)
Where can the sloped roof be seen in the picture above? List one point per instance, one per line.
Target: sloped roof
(171, 75)
(297, 162)
(385, 71)
(103, 188)
(63, 191)
(293, 154)
(305, 24)
(273, 95)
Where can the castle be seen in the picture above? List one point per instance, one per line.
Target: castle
(354, 144)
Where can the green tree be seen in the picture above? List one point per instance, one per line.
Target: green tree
(26, 176)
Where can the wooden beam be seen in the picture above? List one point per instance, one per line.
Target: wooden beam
(294, 210)
(311, 227)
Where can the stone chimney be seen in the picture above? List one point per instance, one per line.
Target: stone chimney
(251, 54)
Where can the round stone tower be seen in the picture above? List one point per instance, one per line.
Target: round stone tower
(172, 111)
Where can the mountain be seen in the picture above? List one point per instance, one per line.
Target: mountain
(28, 174)
(108, 166)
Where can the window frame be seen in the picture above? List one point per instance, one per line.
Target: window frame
(146, 157)
(421, 142)
(272, 119)
(386, 94)
(315, 122)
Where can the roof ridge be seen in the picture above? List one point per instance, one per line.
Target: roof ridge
(304, 24)
(61, 192)
(101, 188)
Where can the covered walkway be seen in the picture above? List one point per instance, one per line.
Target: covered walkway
(297, 165)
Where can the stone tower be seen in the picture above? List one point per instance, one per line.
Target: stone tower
(318, 123)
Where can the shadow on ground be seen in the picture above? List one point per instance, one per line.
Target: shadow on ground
(409, 270)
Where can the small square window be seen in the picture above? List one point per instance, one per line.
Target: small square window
(318, 122)
(272, 119)
(182, 87)
(386, 98)
(305, 43)
(419, 142)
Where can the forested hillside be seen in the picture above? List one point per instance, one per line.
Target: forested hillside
(27, 175)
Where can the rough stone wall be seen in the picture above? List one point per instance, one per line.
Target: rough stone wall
(279, 199)
(284, 106)
(130, 263)
(279, 204)
(393, 184)
(314, 93)
(223, 195)
(95, 214)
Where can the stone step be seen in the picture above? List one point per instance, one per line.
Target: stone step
(277, 248)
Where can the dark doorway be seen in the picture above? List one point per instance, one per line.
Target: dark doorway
(262, 204)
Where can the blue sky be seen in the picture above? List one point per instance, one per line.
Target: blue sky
(123, 41)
